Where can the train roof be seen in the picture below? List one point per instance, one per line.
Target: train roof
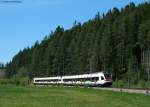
(97, 74)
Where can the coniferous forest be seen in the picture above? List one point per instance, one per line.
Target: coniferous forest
(118, 41)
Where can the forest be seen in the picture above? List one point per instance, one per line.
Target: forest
(117, 42)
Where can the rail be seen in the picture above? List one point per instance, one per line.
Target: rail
(131, 90)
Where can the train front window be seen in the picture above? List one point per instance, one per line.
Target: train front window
(107, 76)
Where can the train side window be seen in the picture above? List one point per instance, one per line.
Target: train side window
(102, 78)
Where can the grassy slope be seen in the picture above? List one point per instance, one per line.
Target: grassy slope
(11, 96)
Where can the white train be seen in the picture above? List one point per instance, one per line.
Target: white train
(93, 79)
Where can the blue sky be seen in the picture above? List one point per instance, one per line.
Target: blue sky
(22, 24)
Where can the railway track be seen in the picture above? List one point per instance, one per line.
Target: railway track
(128, 90)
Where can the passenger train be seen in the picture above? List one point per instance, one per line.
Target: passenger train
(92, 79)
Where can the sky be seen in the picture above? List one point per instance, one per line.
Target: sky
(22, 24)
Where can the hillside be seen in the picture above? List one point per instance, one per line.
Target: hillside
(117, 41)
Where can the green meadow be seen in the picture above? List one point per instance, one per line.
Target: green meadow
(16, 96)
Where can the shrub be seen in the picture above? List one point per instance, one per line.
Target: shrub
(120, 84)
(143, 84)
(23, 81)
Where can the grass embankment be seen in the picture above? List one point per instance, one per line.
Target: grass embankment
(12, 96)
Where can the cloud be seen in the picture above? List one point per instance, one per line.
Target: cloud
(42, 2)
(26, 4)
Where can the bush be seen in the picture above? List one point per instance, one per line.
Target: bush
(24, 81)
(15, 81)
(3, 81)
(143, 84)
(120, 84)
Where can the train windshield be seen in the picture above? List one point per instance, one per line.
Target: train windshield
(107, 75)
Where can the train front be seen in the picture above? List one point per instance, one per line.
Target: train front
(108, 79)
